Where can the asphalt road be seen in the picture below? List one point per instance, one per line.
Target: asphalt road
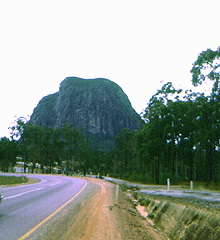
(175, 191)
(24, 207)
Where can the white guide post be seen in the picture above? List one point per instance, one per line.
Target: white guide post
(168, 184)
(116, 194)
(191, 185)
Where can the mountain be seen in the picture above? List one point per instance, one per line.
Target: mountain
(97, 106)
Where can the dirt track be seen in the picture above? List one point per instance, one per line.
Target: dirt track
(95, 218)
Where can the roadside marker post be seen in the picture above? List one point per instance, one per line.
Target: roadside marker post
(116, 194)
(191, 185)
(168, 184)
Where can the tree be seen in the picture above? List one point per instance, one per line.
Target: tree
(8, 153)
(125, 153)
(162, 135)
(76, 149)
(18, 129)
(17, 132)
(207, 67)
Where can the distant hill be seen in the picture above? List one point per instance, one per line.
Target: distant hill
(99, 107)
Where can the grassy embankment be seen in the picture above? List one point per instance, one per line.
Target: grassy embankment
(8, 180)
(202, 185)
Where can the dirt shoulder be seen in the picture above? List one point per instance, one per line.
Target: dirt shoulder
(121, 221)
(93, 216)
(131, 223)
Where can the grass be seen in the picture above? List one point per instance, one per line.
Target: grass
(144, 201)
(202, 185)
(8, 180)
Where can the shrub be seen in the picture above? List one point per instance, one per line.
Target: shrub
(144, 201)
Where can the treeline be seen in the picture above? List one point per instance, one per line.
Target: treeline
(180, 138)
(61, 150)
(181, 135)
(65, 148)
(8, 153)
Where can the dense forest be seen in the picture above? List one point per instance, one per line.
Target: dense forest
(180, 138)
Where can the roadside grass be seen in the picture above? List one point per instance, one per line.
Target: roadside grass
(8, 180)
(197, 185)
(202, 185)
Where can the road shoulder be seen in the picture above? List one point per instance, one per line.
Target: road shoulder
(93, 216)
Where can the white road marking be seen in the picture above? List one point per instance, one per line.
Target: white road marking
(21, 194)
(55, 183)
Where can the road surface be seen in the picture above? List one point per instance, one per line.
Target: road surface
(176, 191)
(72, 209)
(26, 206)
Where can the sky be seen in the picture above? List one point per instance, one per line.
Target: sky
(138, 44)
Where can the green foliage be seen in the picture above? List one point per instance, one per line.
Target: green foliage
(48, 147)
(144, 201)
(8, 152)
(151, 216)
(124, 153)
(207, 67)
(18, 129)
(181, 136)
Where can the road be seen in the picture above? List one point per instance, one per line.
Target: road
(61, 207)
(175, 191)
(25, 207)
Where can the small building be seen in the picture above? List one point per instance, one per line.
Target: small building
(19, 168)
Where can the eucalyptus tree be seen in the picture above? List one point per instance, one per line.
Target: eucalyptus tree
(171, 134)
(162, 133)
(207, 69)
(75, 149)
(37, 144)
(31, 137)
(45, 146)
(17, 131)
(8, 154)
(125, 154)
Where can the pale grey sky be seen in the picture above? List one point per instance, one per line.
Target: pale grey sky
(136, 44)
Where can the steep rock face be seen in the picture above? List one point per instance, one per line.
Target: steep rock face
(97, 106)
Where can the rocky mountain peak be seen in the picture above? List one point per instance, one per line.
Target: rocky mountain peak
(97, 106)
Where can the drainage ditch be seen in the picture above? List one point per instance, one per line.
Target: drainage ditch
(176, 219)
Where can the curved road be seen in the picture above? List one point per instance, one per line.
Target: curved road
(26, 206)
